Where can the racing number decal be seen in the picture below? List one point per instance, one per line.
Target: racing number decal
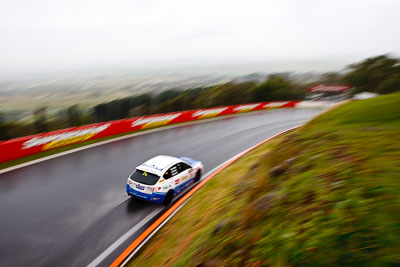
(174, 171)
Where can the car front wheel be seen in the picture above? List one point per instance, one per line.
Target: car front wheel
(197, 177)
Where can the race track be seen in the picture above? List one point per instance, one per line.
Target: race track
(68, 210)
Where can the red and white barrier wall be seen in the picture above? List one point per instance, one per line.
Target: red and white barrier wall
(29, 145)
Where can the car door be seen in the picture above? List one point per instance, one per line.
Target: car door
(172, 176)
(169, 182)
(177, 175)
(180, 177)
(186, 171)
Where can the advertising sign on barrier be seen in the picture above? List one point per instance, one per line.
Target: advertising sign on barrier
(29, 145)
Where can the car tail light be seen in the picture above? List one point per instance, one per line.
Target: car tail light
(156, 189)
(128, 181)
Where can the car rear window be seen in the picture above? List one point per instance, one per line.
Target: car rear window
(144, 177)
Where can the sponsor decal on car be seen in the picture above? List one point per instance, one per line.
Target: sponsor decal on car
(154, 121)
(177, 181)
(245, 108)
(57, 140)
(208, 113)
(138, 186)
(184, 178)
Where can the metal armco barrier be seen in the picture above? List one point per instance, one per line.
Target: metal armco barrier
(29, 145)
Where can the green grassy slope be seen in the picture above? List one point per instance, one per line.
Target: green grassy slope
(327, 194)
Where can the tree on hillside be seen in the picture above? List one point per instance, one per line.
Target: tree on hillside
(330, 78)
(101, 112)
(3, 127)
(226, 94)
(275, 88)
(390, 85)
(123, 108)
(166, 95)
(40, 120)
(374, 74)
(191, 95)
(74, 115)
(142, 103)
(181, 102)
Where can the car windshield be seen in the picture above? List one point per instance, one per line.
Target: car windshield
(144, 177)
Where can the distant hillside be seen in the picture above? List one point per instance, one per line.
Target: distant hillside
(89, 89)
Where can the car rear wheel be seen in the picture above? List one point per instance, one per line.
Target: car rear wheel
(168, 198)
(197, 177)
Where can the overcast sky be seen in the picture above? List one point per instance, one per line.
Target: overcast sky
(54, 34)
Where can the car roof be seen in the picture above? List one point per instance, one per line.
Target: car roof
(158, 164)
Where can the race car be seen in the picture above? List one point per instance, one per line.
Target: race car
(159, 179)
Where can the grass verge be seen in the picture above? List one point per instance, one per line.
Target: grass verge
(327, 194)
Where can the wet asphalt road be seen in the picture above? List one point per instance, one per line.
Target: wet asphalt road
(67, 210)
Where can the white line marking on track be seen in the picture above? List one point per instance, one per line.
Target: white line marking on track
(128, 234)
(123, 238)
(172, 215)
(153, 233)
(183, 204)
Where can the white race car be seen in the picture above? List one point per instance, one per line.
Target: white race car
(159, 179)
